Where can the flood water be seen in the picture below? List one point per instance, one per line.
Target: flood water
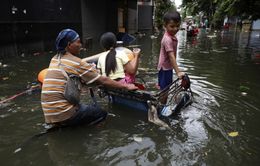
(224, 71)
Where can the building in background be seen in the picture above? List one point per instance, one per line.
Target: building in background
(256, 25)
(145, 15)
(33, 20)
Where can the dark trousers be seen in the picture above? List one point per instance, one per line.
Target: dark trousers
(86, 114)
(164, 78)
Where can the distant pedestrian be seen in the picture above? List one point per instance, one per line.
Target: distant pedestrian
(206, 22)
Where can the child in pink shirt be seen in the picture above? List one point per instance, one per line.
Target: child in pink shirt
(167, 59)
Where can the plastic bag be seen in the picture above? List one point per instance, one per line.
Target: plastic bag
(72, 89)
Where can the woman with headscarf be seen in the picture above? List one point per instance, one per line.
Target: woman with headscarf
(56, 108)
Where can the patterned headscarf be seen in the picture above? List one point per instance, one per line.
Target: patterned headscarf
(64, 37)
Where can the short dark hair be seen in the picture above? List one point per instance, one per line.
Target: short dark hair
(171, 16)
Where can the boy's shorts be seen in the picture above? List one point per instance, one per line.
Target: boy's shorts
(164, 78)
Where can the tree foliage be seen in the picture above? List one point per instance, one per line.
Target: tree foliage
(216, 10)
(161, 7)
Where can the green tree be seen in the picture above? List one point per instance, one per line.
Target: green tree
(216, 10)
(161, 7)
(194, 7)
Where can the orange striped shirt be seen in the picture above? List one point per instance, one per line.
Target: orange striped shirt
(55, 107)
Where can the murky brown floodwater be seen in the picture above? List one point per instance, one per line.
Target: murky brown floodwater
(224, 70)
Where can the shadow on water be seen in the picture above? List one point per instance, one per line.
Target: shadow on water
(224, 71)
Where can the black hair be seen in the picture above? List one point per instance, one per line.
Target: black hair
(171, 16)
(108, 41)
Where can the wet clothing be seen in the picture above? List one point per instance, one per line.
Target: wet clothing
(55, 107)
(86, 114)
(123, 56)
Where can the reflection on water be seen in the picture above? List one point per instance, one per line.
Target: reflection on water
(224, 71)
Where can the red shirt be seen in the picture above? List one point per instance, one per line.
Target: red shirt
(168, 44)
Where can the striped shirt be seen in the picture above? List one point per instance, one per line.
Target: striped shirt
(55, 107)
